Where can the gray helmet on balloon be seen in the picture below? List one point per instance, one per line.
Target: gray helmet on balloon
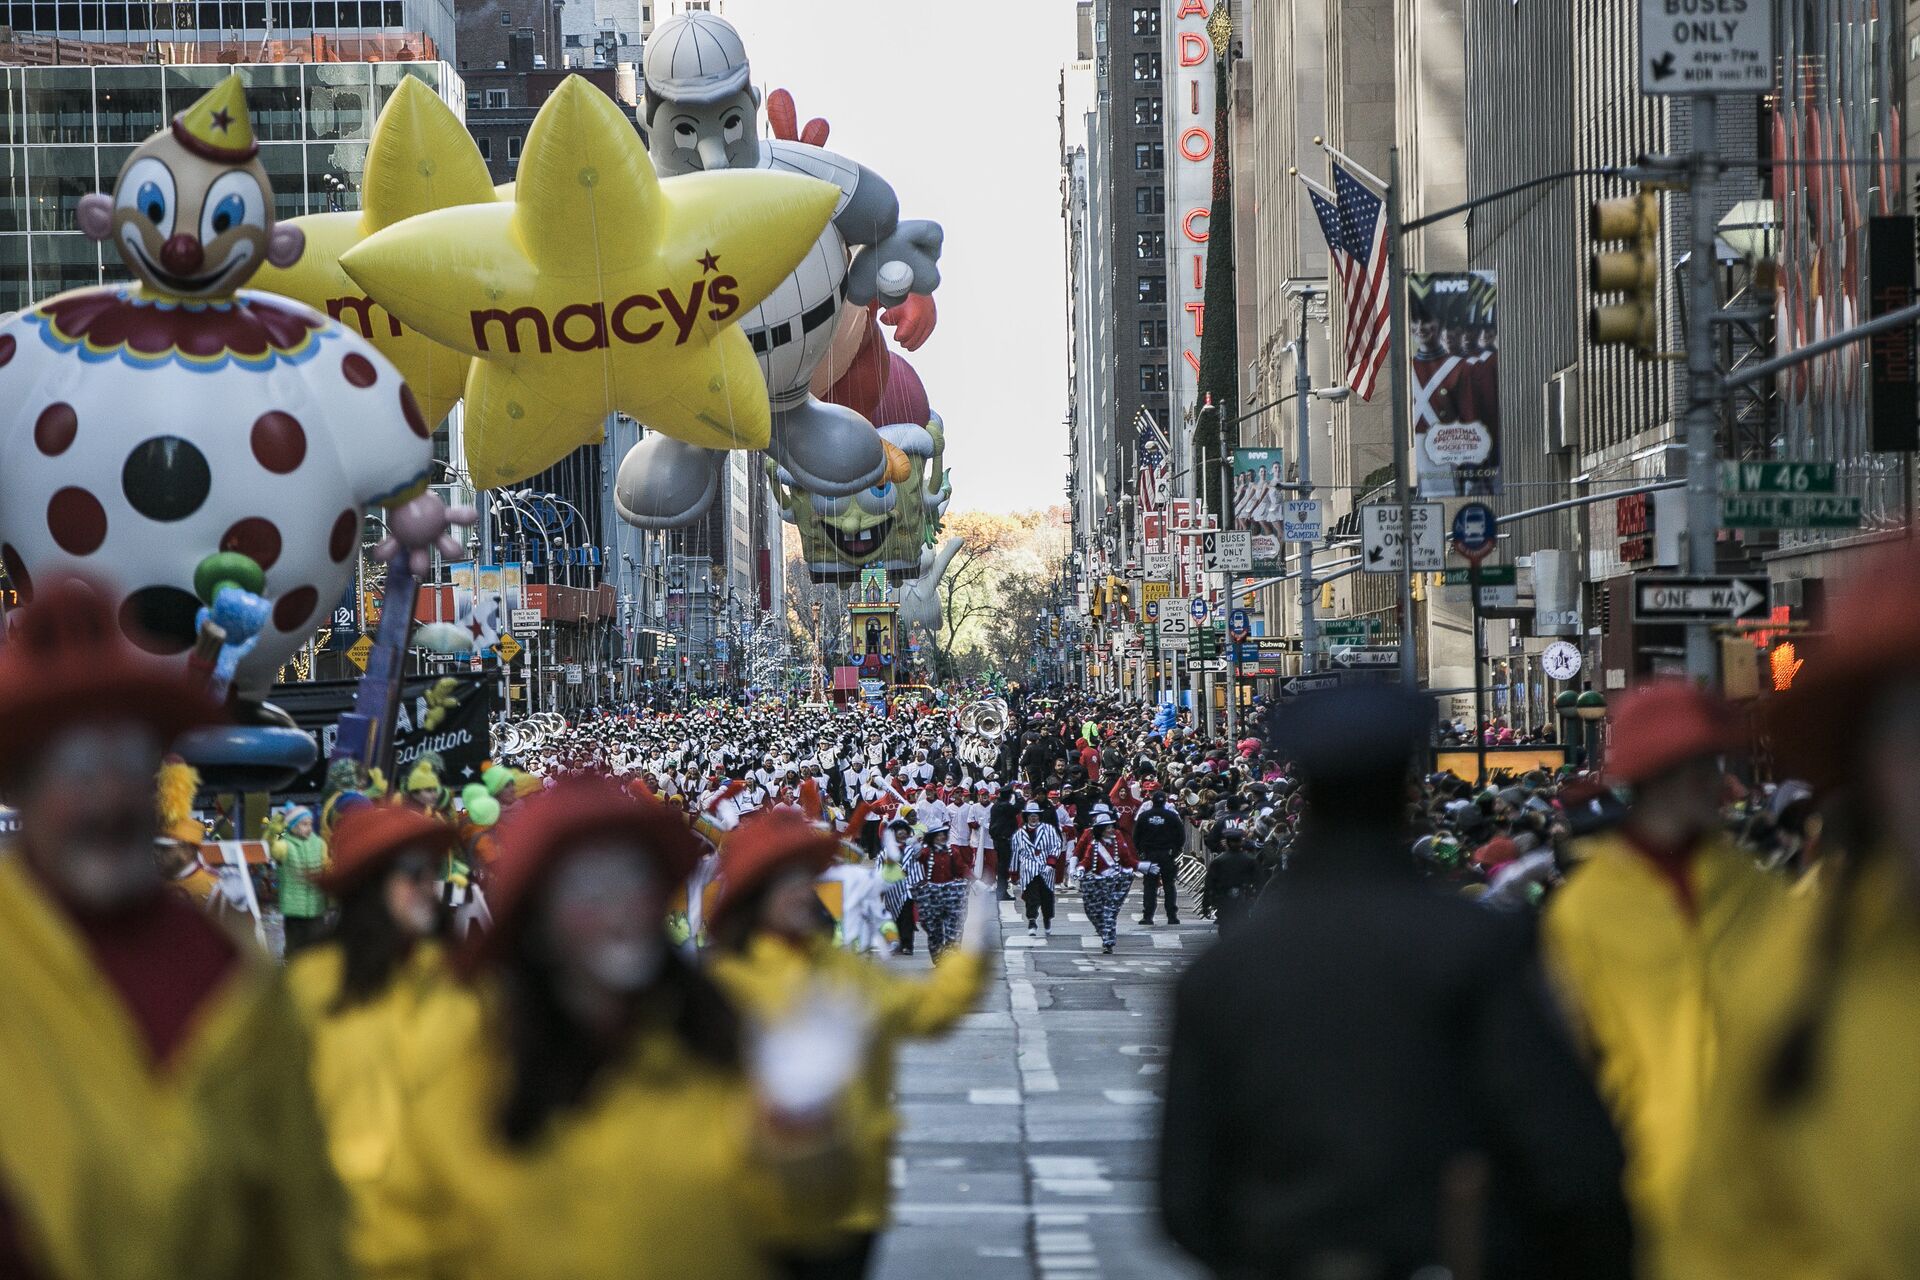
(696, 59)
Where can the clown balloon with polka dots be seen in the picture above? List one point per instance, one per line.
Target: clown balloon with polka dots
(160, 429)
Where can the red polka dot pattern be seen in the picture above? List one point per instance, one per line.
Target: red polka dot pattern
(7, 347)
(295, 608)
(77, 521)
(359, 370)
(340, 541)
(55, 428)
(255, 538)
(279, 442)
(411, 409)
(16, 572)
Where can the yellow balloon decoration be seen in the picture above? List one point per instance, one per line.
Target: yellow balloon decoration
(421, 158)
(599, 289)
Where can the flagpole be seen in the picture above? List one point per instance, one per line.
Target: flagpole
(1323, 192)
(1402, 436)
(1354, 166)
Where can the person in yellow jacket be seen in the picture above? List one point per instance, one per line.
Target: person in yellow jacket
(774, 943)
(1650, 932)
(600, 1113)
(156, 1119)
(1805, 1164)
(375, 997)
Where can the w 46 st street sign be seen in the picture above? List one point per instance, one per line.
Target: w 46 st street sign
(1679, 598)
(1785, 495)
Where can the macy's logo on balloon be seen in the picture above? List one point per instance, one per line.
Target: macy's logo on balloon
(592, 326)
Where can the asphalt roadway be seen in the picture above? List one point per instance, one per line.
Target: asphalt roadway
(1028, 1151)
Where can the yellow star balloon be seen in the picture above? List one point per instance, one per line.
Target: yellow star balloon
(599, 289)
(421, 158)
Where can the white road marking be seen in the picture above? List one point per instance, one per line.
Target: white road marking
(1129, 1097)
(1151, 1069)
(1070, 1175)
(1168, 941)
(1023, 998)
(1011, 1210)
(994, 1097)
(1063, 1242)
(1036, 1067)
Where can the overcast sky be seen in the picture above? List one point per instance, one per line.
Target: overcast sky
(955, 102)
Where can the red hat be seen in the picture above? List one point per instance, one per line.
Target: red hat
(1814, 727)
(764, 846)
(368, 838)
(1496, 852)
(67, 662)
(1665, 723)
(539, 831)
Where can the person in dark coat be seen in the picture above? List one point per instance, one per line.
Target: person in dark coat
(1159, 836)
(1002, 818)
(1367, 1080)
(1234, 878)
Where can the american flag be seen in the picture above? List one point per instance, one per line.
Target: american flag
(1355, 224)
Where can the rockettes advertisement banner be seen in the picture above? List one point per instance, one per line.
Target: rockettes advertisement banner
(1455, 382)
(1259, 503)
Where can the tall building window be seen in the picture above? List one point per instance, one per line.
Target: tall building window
(1149, 200)
(506, 17)
(1151, 289)
(1153, 377)
(486, 148)
(1146, 66)
(1149, 157)
(496, 99)
(1146, 112)
(1146, 20)
(513, 149)
(1153, 333)
(1150, 246)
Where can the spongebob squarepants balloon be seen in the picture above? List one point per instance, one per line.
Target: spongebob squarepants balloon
(176, 434)
(597, 289)
(891, 525)
(421, 158)
(700, 113)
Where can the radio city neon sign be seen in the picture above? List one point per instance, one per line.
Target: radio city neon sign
(1195, 147)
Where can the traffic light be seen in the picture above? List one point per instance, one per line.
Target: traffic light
(1632, 267)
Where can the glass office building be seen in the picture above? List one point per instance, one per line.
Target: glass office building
(65, 131)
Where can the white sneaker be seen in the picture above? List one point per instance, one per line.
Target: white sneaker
(1049, 931)
(1033, 931)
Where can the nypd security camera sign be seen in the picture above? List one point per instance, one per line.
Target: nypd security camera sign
(1706, 46)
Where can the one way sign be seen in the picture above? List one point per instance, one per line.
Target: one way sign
(1677, 598)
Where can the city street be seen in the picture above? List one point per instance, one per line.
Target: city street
(1028, 1151)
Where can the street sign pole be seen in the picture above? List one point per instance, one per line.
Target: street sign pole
(1303, 395)
(1233, 662)
(1703, 413)
(1402, 442)
(1479, 676)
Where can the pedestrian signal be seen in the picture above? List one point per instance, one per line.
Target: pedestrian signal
(1786, 663)
(1631, 266)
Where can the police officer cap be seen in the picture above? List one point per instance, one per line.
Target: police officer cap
(1351, 732)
